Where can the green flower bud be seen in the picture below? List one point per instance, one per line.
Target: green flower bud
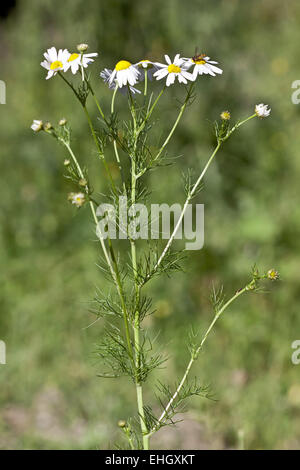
(82, 47)
(82, 182)
(48, 126)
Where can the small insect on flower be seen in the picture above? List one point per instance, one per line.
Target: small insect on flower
(37, 125)
(262, 110)
(55, 61)
(124, 72)
(75, 61)
(203, 65)
(78, 199)
(172, 70)
(146, 65)
(273, 275)
(106, 74)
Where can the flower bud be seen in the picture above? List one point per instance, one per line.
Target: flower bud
(225, 115)
(47, 126)
(62, 122)
(262, 110)
(82, 47)
(82, 182)
(121, 423)
(67, 162)
(37, 125)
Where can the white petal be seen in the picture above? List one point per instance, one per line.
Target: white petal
(52, 54)
(112, 77)
(45, 64)
(50, 74)
(181, 78)
(187, 75)
(215, 69)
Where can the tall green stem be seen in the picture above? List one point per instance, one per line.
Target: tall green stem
(137, 326)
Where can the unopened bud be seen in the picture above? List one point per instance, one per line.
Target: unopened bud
(82, 182)
(62, 122)
(67, 162)
(47, 126)
(37, 125)
(121, 423)
(82, 47)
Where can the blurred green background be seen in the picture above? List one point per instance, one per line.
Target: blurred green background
(50, 396)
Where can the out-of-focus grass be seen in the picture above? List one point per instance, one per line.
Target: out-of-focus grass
(50, 395)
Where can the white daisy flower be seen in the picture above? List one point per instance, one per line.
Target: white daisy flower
(124, 72)
(37, 125)
(262, 110)
(106, 75)
(55, 61)
(171, 70)
(150, 67)
(79, 60)
(203, 65)
(78, 199)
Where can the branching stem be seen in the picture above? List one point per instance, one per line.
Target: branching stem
(194, 356)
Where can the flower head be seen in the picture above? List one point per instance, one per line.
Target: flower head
(203, 65)
(146, 65)
(78, 199)
(225, 115)
(262, 110)
(37, 125)
(273, 275)
(124, 73)
(76, 60)
(82, 47)
(106, 75)
(172, 70)
(55, 61)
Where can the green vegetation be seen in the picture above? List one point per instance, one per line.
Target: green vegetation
(50, 394)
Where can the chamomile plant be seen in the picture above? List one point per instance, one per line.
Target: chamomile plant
(126, 347)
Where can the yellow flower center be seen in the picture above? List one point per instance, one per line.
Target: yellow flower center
(174, 69)
(199, 59)
(73, 57)
(57, 64)
(199, 62)
(122, 65)
(225, 115)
